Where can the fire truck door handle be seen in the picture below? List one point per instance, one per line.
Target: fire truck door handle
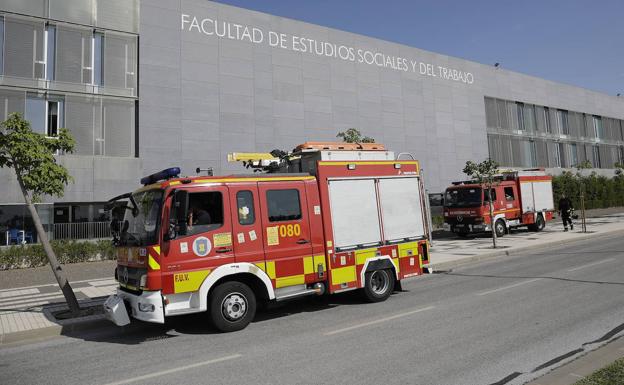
(222, 249)
(303, 241)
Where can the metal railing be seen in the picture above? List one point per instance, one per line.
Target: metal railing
(81, 230)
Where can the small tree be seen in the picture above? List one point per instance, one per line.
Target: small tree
(353, 135)
(31, 156)
(484, 173)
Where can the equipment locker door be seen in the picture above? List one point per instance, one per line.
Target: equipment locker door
(286, 231)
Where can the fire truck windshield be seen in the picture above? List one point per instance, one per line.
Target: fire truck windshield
(463, 197)
(140, 226)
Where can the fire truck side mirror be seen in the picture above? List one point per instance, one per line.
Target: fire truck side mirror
(180, 209)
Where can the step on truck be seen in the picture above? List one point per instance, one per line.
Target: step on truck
(520, 198)
(325, 218)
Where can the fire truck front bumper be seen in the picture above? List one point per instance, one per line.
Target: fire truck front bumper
(467, 228)
(148, 307)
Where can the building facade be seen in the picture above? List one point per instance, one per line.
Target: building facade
(148, 84)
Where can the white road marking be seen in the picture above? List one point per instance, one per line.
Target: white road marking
(378, 321)
(181, 368)
(591, 264)
(508, 287)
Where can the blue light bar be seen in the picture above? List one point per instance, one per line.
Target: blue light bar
(161, 175)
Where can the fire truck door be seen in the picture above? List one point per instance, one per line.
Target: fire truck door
(246, 224)
(286, 231)
(207, 244)
(512, 208)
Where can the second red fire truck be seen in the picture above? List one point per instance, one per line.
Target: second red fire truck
(327, 218)
(520, 198)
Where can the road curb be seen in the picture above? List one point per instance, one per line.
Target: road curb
(516, 250)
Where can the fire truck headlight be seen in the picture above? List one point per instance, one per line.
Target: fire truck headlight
(146, 307)
(143, 281)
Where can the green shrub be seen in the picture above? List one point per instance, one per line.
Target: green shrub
(600, 191)
(21, 256)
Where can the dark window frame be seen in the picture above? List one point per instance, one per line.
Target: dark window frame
(252, 208)
(282, 217)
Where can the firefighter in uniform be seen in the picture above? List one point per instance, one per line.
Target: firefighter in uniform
(565, 208)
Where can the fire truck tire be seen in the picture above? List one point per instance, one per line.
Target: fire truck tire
(500, 228)
(539, 224)
(379, 284)
(232, 306)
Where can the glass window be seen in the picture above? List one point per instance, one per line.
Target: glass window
(205, 212)
(573, 155)
(463, 197)
(596, 155)
(509, 194)
(40, 53)
(53, 119)
(50, 51)
(283, 205)
(87, 58)
(486, 195)
(562, 121)
(98, 46)
(245, 206)
(598, 128)
(556, 156)
(1, 44)
(520, 114)
(35, 112)
(547, 119)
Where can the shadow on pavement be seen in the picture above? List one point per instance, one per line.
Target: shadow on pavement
(198, 324)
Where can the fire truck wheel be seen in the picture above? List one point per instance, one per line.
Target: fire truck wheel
(499, 227)
(379, 285)
(539, 224)
(232, 306)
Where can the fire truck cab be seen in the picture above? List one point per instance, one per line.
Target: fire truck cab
(519, 198)
(327, 218)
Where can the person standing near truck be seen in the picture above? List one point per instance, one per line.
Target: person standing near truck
(565, 208)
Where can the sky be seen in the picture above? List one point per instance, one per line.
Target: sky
(578, 42)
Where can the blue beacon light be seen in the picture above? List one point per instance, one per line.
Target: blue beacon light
(164, 174)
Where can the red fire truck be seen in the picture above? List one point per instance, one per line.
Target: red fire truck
(326, 218)
(520, 198)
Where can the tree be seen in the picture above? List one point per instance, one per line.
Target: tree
(31, 156)
(353, 135)
(484, 174)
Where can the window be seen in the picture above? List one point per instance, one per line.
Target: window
(283, 205)
(205, 212)
(596, 155)
(556, 155)
(561, 152)
(35, 112)
(98, 46)
(562, 121)
(547, 119)
(53, 121)
(40, 52)
(87, 58)
(520, 114)
(621, 155)
(598, 128)
(245, 207)
(486, 195)
(573, 155)
(50, 51)
(1, 44)
(509, 194)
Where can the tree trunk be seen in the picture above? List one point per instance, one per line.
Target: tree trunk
(63, 283)
(492, 219)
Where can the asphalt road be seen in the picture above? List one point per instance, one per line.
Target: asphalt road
(501, 321)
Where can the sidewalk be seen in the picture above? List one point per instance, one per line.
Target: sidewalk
(449, 250)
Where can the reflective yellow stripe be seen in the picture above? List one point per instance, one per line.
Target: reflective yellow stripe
(190, 281)
(343, 274)
(270, 269)
(153, 264)
(362, 255)
(308, 265)
(290, 280)
(156, 249)
(406, 248)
